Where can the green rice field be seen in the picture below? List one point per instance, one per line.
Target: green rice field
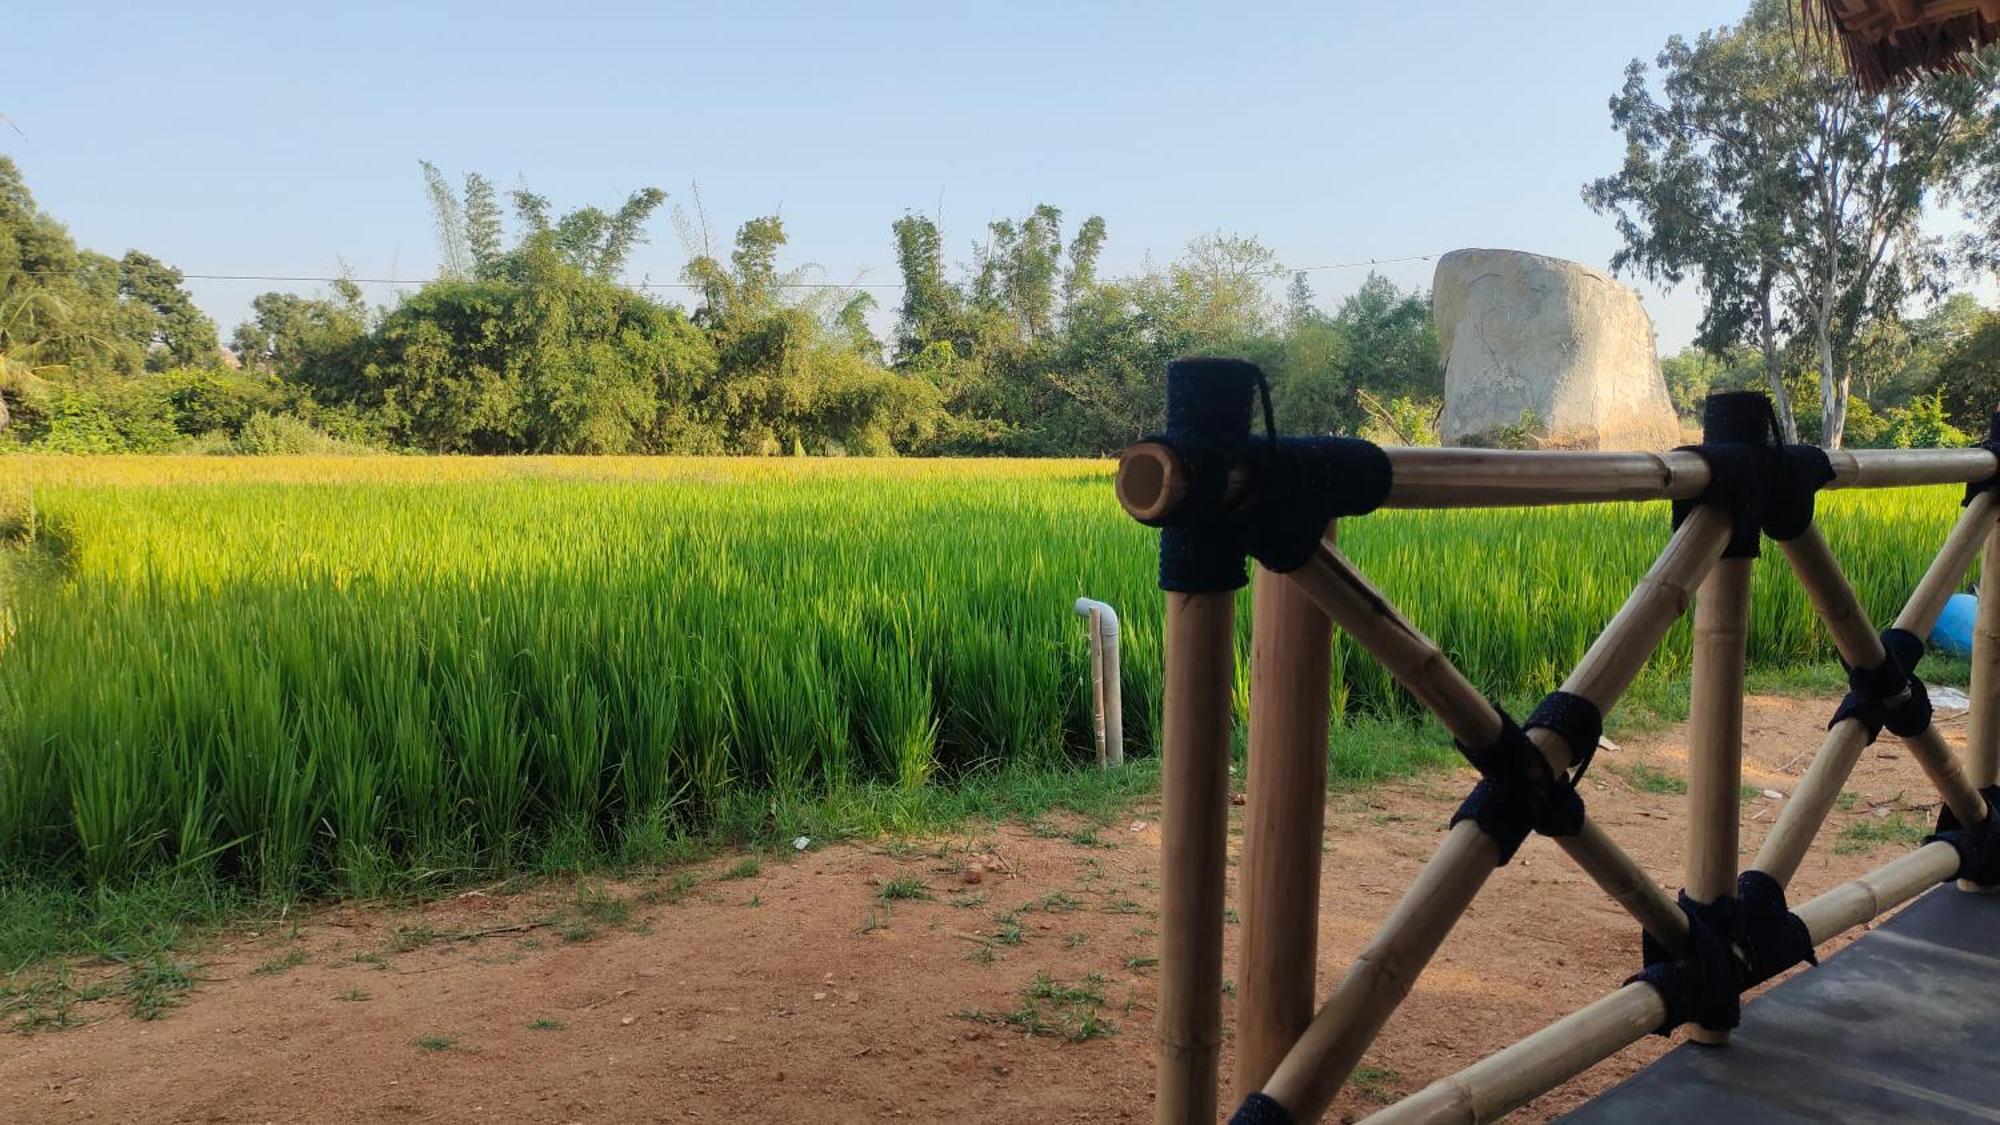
(301, 674)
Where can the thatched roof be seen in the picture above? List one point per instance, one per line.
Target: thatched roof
(1889, 40)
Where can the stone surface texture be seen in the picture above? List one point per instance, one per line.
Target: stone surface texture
(1557, 344)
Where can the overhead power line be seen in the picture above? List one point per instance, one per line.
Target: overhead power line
(328, 279)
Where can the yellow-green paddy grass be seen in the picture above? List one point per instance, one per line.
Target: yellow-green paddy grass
(302, 673)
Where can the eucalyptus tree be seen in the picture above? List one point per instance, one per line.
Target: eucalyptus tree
(1756, 166)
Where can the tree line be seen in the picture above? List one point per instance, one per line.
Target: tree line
(1754, 169)
(527, 343)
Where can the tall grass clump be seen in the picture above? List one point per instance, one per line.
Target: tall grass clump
(335, 674)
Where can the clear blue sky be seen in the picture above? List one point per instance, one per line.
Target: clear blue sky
(282, 139)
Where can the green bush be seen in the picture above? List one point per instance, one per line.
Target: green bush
(266, 433)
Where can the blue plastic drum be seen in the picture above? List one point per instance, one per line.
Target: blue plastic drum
(1953, 634)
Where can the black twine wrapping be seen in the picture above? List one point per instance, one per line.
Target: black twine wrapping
(1734, 943)
(1294, 486)
(1978, 847)
(1888, 695)
(1260, 1109)
(1518, 793)
(1767, 487)
(1577, 720)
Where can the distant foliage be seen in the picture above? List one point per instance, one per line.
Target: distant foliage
(1015, 342)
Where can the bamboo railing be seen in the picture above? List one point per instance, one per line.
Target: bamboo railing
(1295, 1059)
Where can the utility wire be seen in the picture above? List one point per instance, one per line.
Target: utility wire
(293, 277)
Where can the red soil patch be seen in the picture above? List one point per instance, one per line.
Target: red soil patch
(796, 993)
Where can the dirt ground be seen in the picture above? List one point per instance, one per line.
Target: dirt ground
(878, 981)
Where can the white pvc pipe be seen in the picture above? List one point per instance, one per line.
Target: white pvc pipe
(1107, 700)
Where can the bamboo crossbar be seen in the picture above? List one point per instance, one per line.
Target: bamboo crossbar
(1564, 1049)
(1152, 479)
(1326, 1053)
(1615, 658)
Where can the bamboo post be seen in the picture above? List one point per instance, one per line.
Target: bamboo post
(1194, 825)
(1291, 652)
(1564, 1049)
(1715, 739)
(1982, 739)
(1982, 735)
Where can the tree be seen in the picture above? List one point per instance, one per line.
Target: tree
(1019, 267)
(448, 220)
(545, 360)
(1392, 347)
(930, 302)
(315, 342)
(1756, 165)
(797, 374)
(470, 233)
(1967, 388)
(1215, 292)
(1081, 275)
(182, 335)
(483, 236)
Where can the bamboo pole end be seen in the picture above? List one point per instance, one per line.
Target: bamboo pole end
(1151, 480)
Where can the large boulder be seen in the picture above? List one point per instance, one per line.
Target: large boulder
(1548, 353)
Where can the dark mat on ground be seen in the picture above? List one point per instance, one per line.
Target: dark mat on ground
(1902, 1025)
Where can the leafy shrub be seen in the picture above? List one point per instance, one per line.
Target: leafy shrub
(266, 433)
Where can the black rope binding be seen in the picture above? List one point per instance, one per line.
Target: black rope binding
(1294, 487)
(1766, 485)
(1889, 695)
(1990, 445)
(1577, 720)
(1734, 943)
(1978, 847)
(1260, 1109)
(1518, 793)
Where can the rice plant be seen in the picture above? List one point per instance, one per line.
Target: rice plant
(308, 674)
